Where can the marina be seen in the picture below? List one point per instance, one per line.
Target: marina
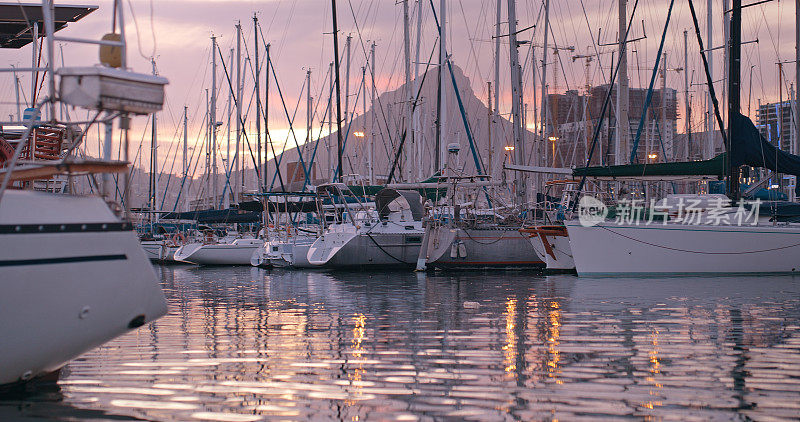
(410, 210)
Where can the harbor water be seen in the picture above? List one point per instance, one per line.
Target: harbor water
(247, 344)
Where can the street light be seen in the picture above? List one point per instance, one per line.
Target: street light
(509, 148)
(652, 156)
(358, 134)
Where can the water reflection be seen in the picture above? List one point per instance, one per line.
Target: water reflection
(249, 344)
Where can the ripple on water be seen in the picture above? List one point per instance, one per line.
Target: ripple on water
(245, 344)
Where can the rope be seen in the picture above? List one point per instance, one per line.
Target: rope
(384, 250)
(483, 243)
(699, 252)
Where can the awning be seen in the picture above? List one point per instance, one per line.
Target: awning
(16, 20)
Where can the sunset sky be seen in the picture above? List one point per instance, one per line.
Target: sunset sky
(177, 35)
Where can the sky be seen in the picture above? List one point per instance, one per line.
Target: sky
(176, 33)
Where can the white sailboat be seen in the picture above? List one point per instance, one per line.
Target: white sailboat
(720, 239)
(228, 251)
(74, 275)
(390, 235)
(289, 252)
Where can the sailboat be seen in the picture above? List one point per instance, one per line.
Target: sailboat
(74, 275)
(390, 235)
(720, 240)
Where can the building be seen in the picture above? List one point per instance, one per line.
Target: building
(573, 119)
(775, 123)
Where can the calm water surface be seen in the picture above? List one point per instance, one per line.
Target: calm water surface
(245, 344)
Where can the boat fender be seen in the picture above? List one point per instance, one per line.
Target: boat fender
(454, 250)
(462, 249)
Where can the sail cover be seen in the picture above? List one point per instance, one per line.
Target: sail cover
(749, 148)
(714, 167)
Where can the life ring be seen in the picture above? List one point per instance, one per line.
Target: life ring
(178, 239)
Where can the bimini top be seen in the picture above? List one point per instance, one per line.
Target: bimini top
(392, 200)
(16, 21)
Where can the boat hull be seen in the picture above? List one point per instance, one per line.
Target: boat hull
(611, 249)
(343, 249)
(217, 254)
(552, 244)
(454, 248)
(68, 286)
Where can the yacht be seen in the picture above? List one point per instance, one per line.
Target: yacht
(389, 235)
(229, 250)
(74, 275)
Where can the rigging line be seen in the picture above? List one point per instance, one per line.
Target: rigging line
(186, 172)
(594, 43)
(138, 35)
(291, 133)
(286, 111)
(699, 252)
(374, 84)
(413, 108)
(649, 96)
(384, 250)
(350, 124)
(709, 80)
(603, 110)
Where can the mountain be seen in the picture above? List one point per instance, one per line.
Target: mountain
(389, 122)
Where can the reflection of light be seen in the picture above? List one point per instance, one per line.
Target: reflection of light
(358, 134)
(655, 368)
(554, 355)
(553, 138)
(509, 148)
(359, 333)
(510, 348)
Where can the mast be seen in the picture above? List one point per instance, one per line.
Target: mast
(734, 72)
(258, 102)
(688, 117)
(374, 119)
(667, 141)
(308, 111)
(208, 146)
(442, 84)
(495, 116)
(153, 157)
(184, 157)
(228, 163)
(516, 101)
(543, 112)
(417, 134)
(347, 116)
(623, 130)
(338, 97)
(213, 122)
(408, 152)
(364, 110)
(489, 113)
(708, 150)
(267, 138)
(238, 99)
(330, 121)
